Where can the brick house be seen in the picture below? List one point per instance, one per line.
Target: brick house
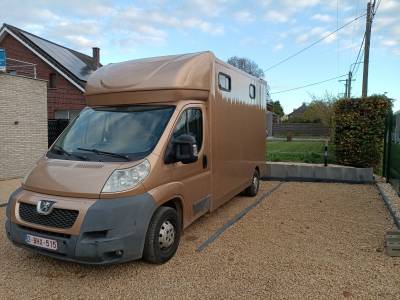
(297, 113)
(65, 70)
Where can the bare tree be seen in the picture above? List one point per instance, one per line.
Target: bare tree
(246, 65)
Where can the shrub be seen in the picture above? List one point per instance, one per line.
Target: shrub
(359, 130)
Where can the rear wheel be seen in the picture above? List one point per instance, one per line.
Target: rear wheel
(163, 236)
(252, 190)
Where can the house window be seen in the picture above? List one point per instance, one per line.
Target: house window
(66, 114)
(224, 82)
(252, 91)
(52, 80)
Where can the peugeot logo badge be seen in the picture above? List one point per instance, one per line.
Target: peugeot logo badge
(44, 207)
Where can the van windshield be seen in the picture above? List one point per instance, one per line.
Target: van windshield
(112, 133)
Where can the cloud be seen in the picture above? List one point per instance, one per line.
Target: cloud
(316, 32)
(80, 40)
(243, 16)
(276, 16)
(390, 43)
(302, 38)
(202, 25)
(282, 11)
(83, 24)
(137, 17)
(322, 18)
(105, 23)
(278, 47)
(389, 5)
(211, 8)
(396, 30)
(291, 4)
(331, 38)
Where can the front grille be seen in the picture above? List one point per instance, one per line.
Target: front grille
(59, 218)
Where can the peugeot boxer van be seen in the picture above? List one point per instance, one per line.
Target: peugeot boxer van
(161, 142)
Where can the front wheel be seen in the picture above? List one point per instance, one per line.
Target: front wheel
(163, 236)
(252, 190)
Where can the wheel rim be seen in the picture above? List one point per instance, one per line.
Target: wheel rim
(167, 235)
(255, 182)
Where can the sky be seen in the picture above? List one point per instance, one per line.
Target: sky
(265, 31)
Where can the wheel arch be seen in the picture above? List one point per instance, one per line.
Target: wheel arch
(177, 204)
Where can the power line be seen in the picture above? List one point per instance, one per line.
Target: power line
(314, 43)
(308, 85)
(376, 9)
(359, 52)
(358, 65)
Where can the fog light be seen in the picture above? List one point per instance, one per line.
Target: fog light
(119, 252)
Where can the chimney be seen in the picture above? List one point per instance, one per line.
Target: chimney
(96, 57)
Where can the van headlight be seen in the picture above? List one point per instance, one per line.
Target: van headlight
(125, 179)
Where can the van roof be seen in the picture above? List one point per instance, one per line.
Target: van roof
(174, 72)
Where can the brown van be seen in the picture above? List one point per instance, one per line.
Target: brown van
(162, 141)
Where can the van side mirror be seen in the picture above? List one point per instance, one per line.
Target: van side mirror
(185, 149)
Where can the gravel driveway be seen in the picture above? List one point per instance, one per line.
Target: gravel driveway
(306, 240)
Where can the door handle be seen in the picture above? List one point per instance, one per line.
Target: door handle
(205, 161)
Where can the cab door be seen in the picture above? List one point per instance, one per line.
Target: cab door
(195, 177)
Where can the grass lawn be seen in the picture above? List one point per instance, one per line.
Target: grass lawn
(299, 151)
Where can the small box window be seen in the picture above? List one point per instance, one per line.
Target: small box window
(224, 82)
(252, 91)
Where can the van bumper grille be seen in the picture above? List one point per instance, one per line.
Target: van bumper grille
(59, 218)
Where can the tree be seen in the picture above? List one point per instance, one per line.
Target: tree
(321, 110)
(246, 65)
(277, 107)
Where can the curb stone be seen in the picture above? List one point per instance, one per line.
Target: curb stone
(395, 214)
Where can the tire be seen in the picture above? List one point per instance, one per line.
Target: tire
(252, 190)
(158, 247)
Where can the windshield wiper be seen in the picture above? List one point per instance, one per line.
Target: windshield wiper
(63, 151)
(105, 153)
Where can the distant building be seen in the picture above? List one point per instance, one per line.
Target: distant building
(297, 113)
(64, 69)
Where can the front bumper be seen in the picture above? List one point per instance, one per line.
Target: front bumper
(112, 231)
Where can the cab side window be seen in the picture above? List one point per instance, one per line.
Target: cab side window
(190, 122)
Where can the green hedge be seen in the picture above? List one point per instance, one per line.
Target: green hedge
(359, 130)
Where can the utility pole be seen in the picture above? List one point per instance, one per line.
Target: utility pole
(349, 80)
(346, 86)
(370, 11)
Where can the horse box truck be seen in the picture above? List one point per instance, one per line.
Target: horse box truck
(162, 141)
